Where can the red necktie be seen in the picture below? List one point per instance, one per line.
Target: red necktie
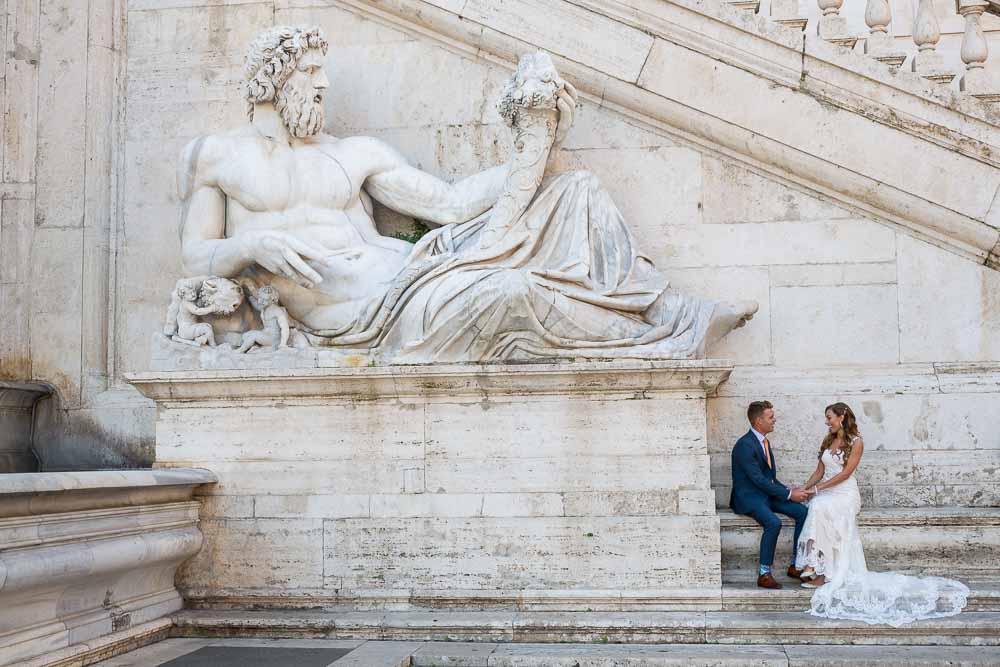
(767, 452)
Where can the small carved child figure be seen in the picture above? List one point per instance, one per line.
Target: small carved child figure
(276, 331)
(182, 316)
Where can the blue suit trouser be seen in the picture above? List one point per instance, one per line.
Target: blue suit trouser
(766, 514)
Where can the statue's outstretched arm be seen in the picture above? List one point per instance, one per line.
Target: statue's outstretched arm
(413, 192)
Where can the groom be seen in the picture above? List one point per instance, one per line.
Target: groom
(758, 493)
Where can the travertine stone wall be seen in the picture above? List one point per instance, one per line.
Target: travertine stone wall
(534, 484)
(60, 95)
(850, 308)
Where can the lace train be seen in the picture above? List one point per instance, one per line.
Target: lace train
(831, 545)
(890, 598)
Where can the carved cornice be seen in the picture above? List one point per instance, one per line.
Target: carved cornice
(427, 382)
(793, 85)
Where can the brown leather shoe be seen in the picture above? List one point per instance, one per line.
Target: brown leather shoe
(794, 573)
(767, 581)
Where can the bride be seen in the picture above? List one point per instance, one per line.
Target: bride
(830, 554)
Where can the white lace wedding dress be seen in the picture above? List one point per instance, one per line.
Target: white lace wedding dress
(830, 544)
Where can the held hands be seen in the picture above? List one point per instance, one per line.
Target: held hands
(799, 494)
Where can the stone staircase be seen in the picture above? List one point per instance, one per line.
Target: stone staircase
(755, 622)
(750, 626)
(958, 542)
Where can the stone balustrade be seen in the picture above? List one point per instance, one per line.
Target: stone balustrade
(87, 554)
(879, 43)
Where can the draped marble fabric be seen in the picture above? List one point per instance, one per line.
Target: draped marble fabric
(566, 280)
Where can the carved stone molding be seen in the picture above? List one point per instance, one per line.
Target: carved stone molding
(84, 555)
(428, 381)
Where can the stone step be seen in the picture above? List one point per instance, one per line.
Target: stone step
(722, 627)
(360, 653)
(746, 596)
(443, 654)
(957, 542)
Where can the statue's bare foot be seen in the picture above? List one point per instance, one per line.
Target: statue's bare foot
(729, 316)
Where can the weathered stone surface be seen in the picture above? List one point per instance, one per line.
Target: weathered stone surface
(702, 632)
(238, 554)
(509, 476)
(938, 298)
(522, 553)
(733, 193)
(870, 656)
(824, 326)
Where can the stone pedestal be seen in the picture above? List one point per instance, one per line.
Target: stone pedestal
(579, 485)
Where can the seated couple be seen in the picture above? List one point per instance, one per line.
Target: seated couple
(828, 553)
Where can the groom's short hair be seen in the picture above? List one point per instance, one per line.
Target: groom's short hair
(756, 409)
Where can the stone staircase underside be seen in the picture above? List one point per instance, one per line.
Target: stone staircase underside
(886, 144)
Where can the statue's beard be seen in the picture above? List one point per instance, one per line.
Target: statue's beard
(302, 116)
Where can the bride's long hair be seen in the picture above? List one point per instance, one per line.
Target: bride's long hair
(847, 432)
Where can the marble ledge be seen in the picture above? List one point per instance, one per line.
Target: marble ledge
(693, 378)
(29, 494)
(908, 378)
(48, 482)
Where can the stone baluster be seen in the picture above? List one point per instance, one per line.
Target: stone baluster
(832, 26)
(880, 45)
(927, 62)
(975, 50)
(786, 12)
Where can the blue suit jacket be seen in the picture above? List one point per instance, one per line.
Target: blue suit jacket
(753, 481)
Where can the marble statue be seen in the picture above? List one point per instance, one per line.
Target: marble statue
(194, 298)
(276, 331)
(518, 265)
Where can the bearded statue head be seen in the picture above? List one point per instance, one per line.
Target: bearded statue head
(273, 74)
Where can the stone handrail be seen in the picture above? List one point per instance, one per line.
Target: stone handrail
(880, 44)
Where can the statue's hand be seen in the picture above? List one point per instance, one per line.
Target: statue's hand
(566, 104)
(284, 255)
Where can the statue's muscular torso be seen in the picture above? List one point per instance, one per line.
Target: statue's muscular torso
(311, 190)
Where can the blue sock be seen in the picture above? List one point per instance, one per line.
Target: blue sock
(764, 569)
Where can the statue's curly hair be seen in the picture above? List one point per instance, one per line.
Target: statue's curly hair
(273, 56)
